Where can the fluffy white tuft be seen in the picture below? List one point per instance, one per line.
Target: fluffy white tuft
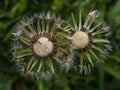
(80, 39)
(43, 47)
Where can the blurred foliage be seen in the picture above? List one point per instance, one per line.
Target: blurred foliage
(105, 77)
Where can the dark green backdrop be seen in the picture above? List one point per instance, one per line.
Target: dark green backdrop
(103, 77)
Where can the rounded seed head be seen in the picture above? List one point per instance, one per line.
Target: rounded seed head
(88, 40)
(43, 47)
(38, 45)
(80, 39)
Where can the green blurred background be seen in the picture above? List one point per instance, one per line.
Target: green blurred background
(103, 77)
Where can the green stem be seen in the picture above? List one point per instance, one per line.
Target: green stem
(101, 76)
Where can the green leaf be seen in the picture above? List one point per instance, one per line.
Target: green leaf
(113, 69)
(115, 57)
(14, 10)
(6, 85)
(22, 5)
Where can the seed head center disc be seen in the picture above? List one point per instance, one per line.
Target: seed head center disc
(43, 47)
(80, 39)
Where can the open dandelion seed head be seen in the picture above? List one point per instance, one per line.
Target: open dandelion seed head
(38, 46)
(88, 41)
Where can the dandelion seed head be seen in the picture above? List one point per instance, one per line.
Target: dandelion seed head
(38, 46)
(88, 41)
